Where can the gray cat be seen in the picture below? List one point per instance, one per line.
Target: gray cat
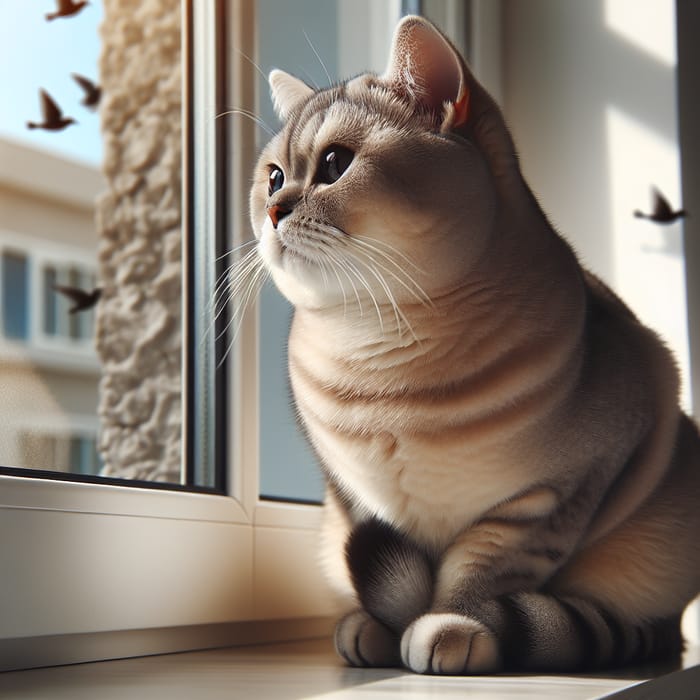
(511, 482)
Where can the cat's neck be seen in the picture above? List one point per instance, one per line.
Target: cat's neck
(541, 292)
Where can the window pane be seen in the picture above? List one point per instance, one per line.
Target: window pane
(15, 295)
(83, 456)
(50, 301)
(90, 159)
(322, 41)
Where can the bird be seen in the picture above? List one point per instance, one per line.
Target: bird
(662, 212)
(92, 91)
(81, 299)
(52, 115)
(66, 8)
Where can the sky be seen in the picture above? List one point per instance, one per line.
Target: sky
(37, 54)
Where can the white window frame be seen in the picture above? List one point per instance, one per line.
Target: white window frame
(96, 570)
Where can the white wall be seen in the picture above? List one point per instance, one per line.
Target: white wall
(590, 94)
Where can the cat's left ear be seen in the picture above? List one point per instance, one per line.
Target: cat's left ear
(428, 68)
(287, 92)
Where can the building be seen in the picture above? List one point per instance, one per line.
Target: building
(49, 371)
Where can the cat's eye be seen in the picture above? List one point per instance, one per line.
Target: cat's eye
(334, 162)
(275, 180)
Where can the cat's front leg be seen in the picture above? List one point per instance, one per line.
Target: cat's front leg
(393, 579)
(514, 547)
(364, 641)
(450, 643)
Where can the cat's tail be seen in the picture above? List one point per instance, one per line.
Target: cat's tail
(392, 576)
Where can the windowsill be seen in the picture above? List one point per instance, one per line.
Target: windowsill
(311, 669)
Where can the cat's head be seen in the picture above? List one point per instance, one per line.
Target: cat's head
(380, 186)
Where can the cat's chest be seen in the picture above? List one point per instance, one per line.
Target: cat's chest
(430, 484)
(421, 460)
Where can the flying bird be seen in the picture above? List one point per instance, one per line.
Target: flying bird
(81, 299)
(662, 212)
(92, 91)
(66, 8)
(52, 114)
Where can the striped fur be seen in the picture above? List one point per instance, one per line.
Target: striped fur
(511, 483)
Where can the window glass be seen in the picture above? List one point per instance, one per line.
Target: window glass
(90, 159)
(50, 301)
(319, 41)
(15, 295)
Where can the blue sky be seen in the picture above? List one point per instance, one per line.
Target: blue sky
(35, 53)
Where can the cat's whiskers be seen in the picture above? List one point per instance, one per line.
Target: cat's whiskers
(237, 276)
(251, 115)
(239, 284)
(376, 244)
(326, 244)
(255, 65)
(252, 290)
(399, 315)
(225, 277)
(234, 250)
(366, 254)
(320, 60)
(406, 281)
(349, 267)
(418, 293)
(309, 80)
(334, 269)
(338, 264)
(389, 255)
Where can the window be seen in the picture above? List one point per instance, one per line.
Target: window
(196, 557)
(230, 549)
(84, 457)
(50, 300)
(15, 295)
(58, 321)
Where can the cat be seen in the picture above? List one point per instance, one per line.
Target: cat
(511, 484)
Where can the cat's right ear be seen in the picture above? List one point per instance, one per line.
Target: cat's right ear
(287, 92)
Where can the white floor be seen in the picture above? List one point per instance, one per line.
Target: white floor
(306, 670)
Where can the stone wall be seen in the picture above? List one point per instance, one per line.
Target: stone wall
(139, 222)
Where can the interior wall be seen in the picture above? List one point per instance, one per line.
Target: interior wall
(589, 91)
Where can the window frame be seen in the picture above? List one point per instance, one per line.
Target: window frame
(195, 569)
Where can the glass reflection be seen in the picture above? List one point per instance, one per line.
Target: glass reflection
(68, 150)
(50, 151)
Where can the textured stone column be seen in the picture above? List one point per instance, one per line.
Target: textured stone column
(139, 223)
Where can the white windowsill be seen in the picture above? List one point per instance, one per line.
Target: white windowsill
(312, 670)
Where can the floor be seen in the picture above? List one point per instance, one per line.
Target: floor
(311, 670)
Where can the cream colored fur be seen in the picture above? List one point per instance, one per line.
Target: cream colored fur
(457, 372)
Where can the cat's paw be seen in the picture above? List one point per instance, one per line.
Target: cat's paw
(448, 643)
(364, 641)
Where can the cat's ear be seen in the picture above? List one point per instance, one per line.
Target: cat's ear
(287, 92)
(425, 66)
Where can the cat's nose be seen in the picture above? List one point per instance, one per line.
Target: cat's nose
(277, 212)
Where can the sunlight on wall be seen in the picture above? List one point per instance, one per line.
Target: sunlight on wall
(649, 25)
(648, 258)
(649, 268)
